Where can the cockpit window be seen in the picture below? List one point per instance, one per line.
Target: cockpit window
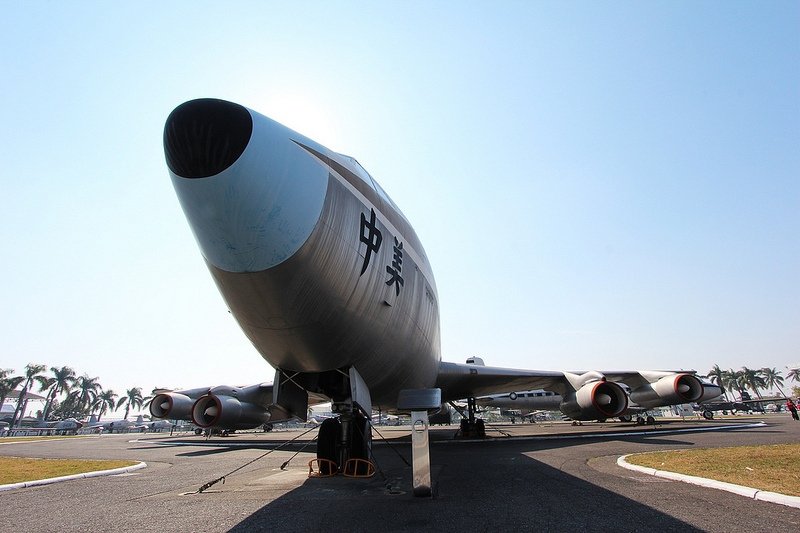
(357, 169)
(362, 173)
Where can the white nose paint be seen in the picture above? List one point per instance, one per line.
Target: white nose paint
(260, 210)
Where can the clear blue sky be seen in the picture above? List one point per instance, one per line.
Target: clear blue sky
(597, 185)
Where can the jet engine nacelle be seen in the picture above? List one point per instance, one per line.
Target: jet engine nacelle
(669, 390)
(172, 405)
(595, 400)
(217, 410)
(710, 391)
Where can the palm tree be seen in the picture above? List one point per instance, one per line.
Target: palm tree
(147, 400)
(8, 384)
(773, 378)
(132, 399)
(718, 376)
(735, 380)
(85, 392)
(753, 380)
(63, 380)
(793, 374)
(105, 401)
(46, 385)
(32, 373)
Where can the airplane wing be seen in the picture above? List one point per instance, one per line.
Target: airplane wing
(459, 381)
(586, 394)
(470, 380)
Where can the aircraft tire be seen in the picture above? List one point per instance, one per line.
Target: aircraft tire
(708, 414)
(326, 443)
(361, 436)
(651, 421)
(360, 441)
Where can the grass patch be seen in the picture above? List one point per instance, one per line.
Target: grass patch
(19, 469)
(774, 468)
(4, 440)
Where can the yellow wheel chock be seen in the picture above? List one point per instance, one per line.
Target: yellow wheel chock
(325, 468)
(357, 467)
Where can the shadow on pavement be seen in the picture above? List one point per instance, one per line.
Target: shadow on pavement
(475, 491)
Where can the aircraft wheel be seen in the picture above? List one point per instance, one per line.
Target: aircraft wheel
(625, 418)
(651, 421)
(360, 442)
(198, 431)
(639, 421)
(326, 444)
(708, 414)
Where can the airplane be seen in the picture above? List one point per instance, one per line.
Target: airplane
(330, 283)
(745, 404)
(155, 425)
(68, 424)
(117, 425)
(60, 427)
(547, 400)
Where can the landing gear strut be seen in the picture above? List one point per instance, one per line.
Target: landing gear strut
(344, 443)
(471, 427)
(342, 440)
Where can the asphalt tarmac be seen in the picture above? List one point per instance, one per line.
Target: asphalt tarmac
(541, 477)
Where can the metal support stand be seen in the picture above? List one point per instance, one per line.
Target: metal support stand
(420, 453)
(419, 402)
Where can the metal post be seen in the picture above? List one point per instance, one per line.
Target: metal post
(420, 402)
(420, 453)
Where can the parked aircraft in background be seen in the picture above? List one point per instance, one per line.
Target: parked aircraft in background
(329, 281)
(744, 405)
(155, 425)
(118, 425)
(68, 424)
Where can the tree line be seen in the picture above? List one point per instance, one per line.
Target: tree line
(756, 380)
(71, 396)
(67, 395)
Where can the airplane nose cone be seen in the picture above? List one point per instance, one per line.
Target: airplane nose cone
(204, 137)
(251, 194)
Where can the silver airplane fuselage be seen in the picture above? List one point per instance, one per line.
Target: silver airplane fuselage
(318, 266)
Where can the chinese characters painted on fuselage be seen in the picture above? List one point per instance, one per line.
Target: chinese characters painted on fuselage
(372, 237)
